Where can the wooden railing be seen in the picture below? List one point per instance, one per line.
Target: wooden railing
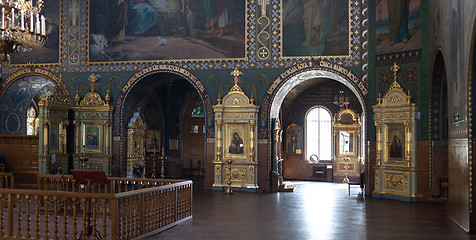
(115, 184)
(7, 180)
(137, 212)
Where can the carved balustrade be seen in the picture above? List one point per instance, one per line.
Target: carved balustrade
(137, 208)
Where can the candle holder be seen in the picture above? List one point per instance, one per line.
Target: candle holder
(154, 163)
(229, 190)
(163, 158)
(83, 159)
(346, 173)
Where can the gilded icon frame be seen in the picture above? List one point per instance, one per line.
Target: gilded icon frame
(395, 143)
(234, 131)
(93, 138)
(153, 142)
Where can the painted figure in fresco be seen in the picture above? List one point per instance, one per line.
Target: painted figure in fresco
(398, 11)
(236, 146)
(313, 21)
(396, 148)
(192, 11)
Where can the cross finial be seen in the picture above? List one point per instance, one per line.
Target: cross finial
(395, 69)
(236, 73)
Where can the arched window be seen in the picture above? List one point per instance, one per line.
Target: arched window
(31, 122)
(319, 134)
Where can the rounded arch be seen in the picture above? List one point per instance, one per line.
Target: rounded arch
(120, 132)
(297, 74)
(438, 125)
(308, 74)
(32, 71)
(19, 91)
(162, 68)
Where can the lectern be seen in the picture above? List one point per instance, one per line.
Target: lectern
(89, 177)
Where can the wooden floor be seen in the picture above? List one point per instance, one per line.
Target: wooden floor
(315, 210)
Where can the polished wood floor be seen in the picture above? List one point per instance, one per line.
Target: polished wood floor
(315, 210)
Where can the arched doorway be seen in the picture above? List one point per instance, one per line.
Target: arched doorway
(165, 96)
(194, 138)
(439, 129)
(305, 90)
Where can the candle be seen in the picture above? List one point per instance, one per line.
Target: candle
(32, 20)
(22, 15)
(38, 29)
(3, 18)
(43, 26)
(12, 26)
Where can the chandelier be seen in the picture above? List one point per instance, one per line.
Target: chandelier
(22, 27)
(340, 100)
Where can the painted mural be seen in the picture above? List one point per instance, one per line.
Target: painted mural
(17, 99)
(397, 26)
(315, 27)
(49, 53)
(166, 29)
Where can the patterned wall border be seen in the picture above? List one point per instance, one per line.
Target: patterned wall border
(251, 61)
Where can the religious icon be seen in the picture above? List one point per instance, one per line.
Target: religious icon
(395, 146)
(153, 141)
(236, 146)
(294, 139)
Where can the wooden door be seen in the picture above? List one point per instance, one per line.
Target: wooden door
(194, 146)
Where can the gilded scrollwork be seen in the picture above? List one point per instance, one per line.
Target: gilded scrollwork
(60, 95)
(96, 115)
(92, 99)
(236, 101)
(238, 174)
(252, 172)
(218, 171)
(395, 181)
(236, 115)
(377, 178)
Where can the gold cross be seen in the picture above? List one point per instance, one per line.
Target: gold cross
(236, 73)
(395, 69)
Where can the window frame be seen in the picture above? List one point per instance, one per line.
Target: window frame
(306, 130)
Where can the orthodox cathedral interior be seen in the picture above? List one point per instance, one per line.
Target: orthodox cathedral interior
(243, 96)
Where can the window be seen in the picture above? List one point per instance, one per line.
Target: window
(31, 122)
(198, 112)
(319, 134)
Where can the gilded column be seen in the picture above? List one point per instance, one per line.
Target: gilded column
(408, 143)
(379, 142)
(219, 124)
(107, 125)
(45, 136)
(252, 140)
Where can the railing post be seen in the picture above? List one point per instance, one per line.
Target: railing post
(176, 204)
(141, 214)
(10, 215)
(114, 220)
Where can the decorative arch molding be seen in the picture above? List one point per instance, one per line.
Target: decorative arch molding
(302, 72)
(161, 68)
(297, 74)
(32, 71)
